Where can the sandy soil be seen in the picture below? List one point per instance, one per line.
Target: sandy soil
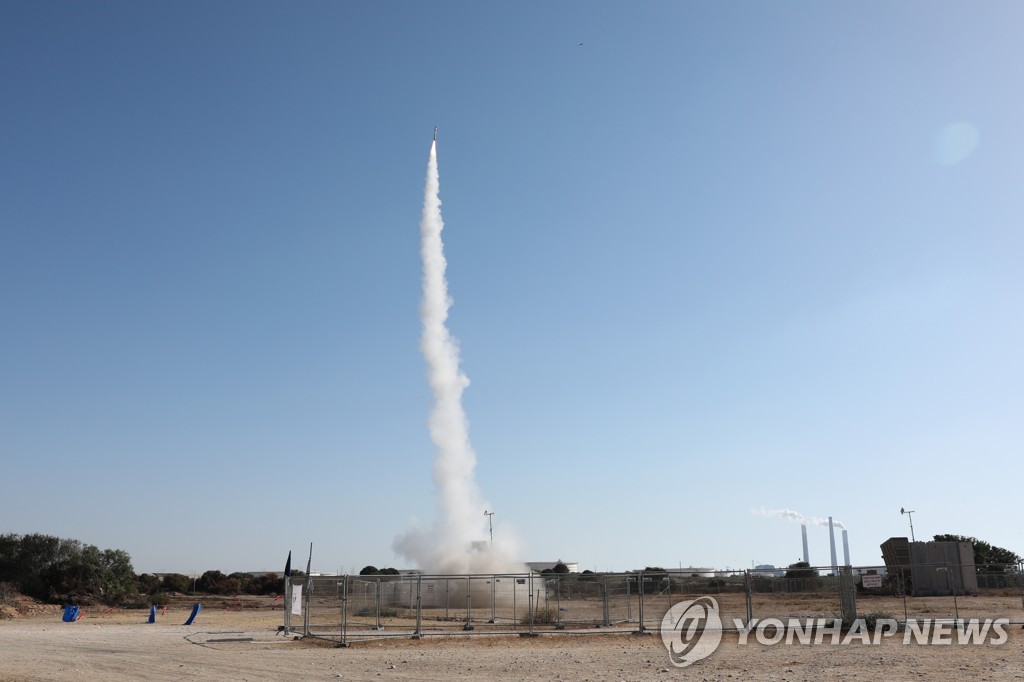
(245, 645)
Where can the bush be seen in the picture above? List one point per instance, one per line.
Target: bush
(148, 583)
(373, 570)
(801, 570)
(545, 616)
(213, 582)
(270, 583)
(871, 619)
(176, 582)
(246, 583)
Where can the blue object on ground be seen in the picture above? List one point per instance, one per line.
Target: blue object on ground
(152, 613)
(70, 614)
(195, 612)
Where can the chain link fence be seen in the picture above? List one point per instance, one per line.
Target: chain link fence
(350, 608)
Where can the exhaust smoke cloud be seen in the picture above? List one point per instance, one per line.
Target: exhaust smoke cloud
(786, 514)
(824, 522)
(457, 540)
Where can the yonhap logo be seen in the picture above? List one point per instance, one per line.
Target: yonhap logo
(691, 630)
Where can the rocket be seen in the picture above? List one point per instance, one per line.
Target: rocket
(435, 133)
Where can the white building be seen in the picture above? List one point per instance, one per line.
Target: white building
(691, 572)
(540, 566)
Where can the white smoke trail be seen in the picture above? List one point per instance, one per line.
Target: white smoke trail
(824, 522)
(446, 548)
(787, 514)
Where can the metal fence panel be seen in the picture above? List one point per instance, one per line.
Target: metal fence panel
(347, 608)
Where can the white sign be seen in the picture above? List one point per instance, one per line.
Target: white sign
(871, 580)
(297, 600)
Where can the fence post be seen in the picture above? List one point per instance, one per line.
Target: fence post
(307, 597)
(515, 617)
(629, 598)
(951, 586)
(558, 603)
(469, 604)
(419, 607)
(847, 594)
(287, 605)
(377, 599)
(748, 593)
(1020, 582)
(902, 587)
(607, 614)
(344, 610)
(530, 600)
(494, 587)
(640, 595)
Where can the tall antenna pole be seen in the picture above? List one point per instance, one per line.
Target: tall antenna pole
(491, 527)
(909, 513)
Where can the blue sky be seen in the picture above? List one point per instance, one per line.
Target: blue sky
(719, 257)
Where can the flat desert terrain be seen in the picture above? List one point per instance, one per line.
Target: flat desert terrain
(245, 645)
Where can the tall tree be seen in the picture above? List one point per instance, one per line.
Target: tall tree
(987, 557)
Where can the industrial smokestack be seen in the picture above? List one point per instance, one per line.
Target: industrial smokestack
(846, 549)
(803, 532)
(832, 544)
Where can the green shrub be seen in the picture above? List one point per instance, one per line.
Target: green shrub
(871, 619)
(545, 616)
(147, 583)
(176, 582)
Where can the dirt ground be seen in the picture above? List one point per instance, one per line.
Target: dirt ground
(240, 643)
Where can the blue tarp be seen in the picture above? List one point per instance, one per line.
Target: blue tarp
(70, 614)
(152, 613)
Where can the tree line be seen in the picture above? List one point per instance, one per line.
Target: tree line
(61, 570)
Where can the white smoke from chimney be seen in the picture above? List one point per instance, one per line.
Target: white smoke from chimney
(786, 514)
(461, 523)
(824, 522)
